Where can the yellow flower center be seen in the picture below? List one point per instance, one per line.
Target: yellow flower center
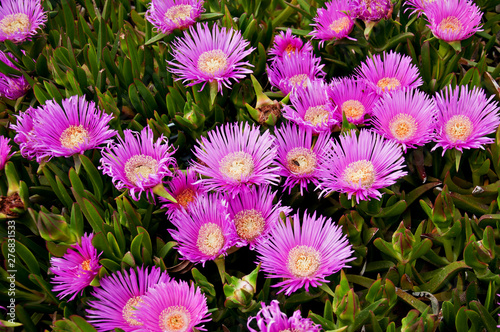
(303, 261)
(403, 126)
(317, 115)
(450, 23)
(290, 49)
(129, 309)
(15, 23)
(340, 24)
(185, 197)
(459, 127)
(140, 167)
(73, 136)
(86, 265)
(237, 165)
(360, 173)
(388, 83)
(178, 13)
(249, 224)
(212, 62)
(301, 161)
(175, 319)
(353, 109)
(299, 79)
(210, 239)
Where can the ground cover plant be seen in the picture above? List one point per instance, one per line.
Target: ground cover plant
(185, 165)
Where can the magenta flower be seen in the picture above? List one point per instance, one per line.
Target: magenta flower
(453, 20)
(173, 306)
(4, 151)
(12, 87)
(312, 108)
(73, 127)
(76, 269)
(205, 232)
(332, 22)
(137, 163)
(304, 254)
(254, 215)
(464, 118)
(20, 19)
(286, 44)
(118, 297)
(294, 71)
(184, 189)
(352, 98)
(389, 72)
(417, 6)
(168, 15)
(271, 319)
(372, 10)
(235, 157)
(204, 56)
(406, 117)
(25, 134)
(298, 158)
(359, 166)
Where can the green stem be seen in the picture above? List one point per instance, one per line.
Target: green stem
(221, 266)
(160, 190)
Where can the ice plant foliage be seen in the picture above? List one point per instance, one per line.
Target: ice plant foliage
(216, 56)
(333, 22)
(464, 118)
(359, 166)
(168, 15)
(184, 189)
(4, 151)
(311, 108)
(285, 44)
(137, 162)
(453, 20)
(298, 157)
(205, 232)
(12, 87)
(271, 319)
(372, 10)
(173, 306)
(235, 157)
(20, 19)
(118, 297)
(407, 117)
(76, 269)
(389, 72)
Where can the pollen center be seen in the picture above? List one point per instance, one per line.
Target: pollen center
(450, 23)
(459, 127)
(210, 239)
(290, 49)
(353, 109)
(301, 161)
(360, 173)
(178, 13)
(73, 136)
(317, 115)
(237, 165)
(299, 79)
(403, 126)
(212, 62)
(129, 309)
(139, 167)
(340, 24)
(303, 261)
(175, 319)
(185, 197)
(86, 265)
(388, 83)
(15, 23)
(249, 224)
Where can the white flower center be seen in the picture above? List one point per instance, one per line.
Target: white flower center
(212, 62)
(178, 13)
(459, 127)
(237, 165)
(15, 23)
(301, 161)
(249, 224)
(317, 115)
(353, 109)
(388, 83)
(73, 136)
(403, 126)
(299, 79)
(129, 309)
(139, 167)
(303, 261)
(210, 239)
(360, 173)
(450, 23)
(175, 319)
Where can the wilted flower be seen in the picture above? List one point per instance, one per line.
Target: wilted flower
(168, 15)
(389, 72)
(352, 98)
(74, 127)
(361, 165)
(235, 157)
(137, 162)
(254, 215)
(372, 10)
(19, 19)
(311, 107)
(271, 319)
(464, 118)
(184, 189)
(298, 158)
(204, 56)
(294, 71)
(12, 87)
(304, 254)
(286, 44)
(205, 232)
(25, 133)
(118, 297)
(406, 117)
(4, 151)
(333, 23)
(76, 269)
(173, 306)
(453, 20)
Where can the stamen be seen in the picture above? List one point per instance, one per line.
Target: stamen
(303, 261)
(178, 13)
(249, 224)
(299, 79)
(212, 62)
(175, 319)
(459, 127)
(301, 161)
(353, 109)
(403, 126)
(388, 83)
(450, 23)
(185, 197)
(15, 23)
(86, 265)
(340, 24)
(237, 165)
(139, 167)
(129, 309)
(73, 136)
(210, 239)
(360, 173)
(317, 115)
(290, 49)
